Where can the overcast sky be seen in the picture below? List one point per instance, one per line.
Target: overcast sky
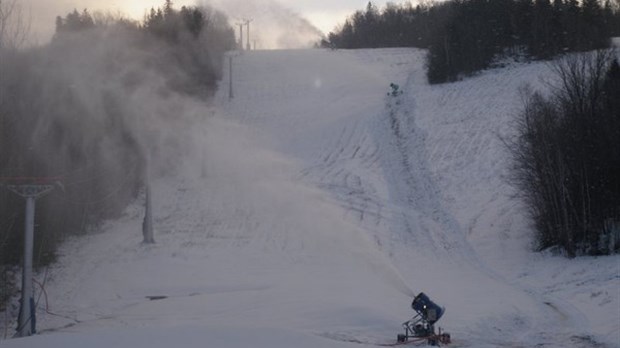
(324, 14)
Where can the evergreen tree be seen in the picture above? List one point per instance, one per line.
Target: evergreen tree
(571, 22)
(75, 21)
(193, 19)
(594, 35)
(522, 22)
(558, 39)
(541, 44)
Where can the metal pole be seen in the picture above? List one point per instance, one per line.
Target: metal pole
(248, 38)
(147, 223)
(27, 319)
(230, 77)
(241, 36)
(27, 314)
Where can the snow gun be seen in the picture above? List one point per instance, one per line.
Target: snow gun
(422, 326)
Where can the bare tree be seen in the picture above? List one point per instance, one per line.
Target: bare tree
(14, 27)
(566, 156)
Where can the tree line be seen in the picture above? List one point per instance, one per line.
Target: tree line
(465, 36)
(196, 38)
(93, 106)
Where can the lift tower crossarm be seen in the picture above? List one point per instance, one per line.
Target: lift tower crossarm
(31, 191)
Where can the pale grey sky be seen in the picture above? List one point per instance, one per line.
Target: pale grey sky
(324, 14)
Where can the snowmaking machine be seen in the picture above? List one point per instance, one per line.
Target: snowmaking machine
(422, 326)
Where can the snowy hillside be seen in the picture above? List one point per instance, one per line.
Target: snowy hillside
(315, 206)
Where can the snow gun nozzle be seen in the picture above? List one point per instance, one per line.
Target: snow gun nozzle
(422, 326)
(427, 309)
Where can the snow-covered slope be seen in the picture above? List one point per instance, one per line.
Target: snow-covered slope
(314, 209)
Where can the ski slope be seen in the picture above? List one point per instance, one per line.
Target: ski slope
(314, 206)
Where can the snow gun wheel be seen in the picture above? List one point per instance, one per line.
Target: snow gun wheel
(445, 338)
(401, 338)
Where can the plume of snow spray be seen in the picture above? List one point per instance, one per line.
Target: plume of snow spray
(379, 264)
(273, 25)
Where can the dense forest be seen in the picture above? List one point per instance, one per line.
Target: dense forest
(465, 36)
(104, 100)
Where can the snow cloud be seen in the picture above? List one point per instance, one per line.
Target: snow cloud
(278, 23)
(275, 24)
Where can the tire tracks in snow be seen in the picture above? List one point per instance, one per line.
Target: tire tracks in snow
(422, 217)
(338, 172)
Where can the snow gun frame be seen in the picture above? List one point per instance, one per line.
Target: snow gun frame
(422, 326)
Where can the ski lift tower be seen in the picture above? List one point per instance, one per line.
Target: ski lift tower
(247, 23)
(30, 188)
(240, 24)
